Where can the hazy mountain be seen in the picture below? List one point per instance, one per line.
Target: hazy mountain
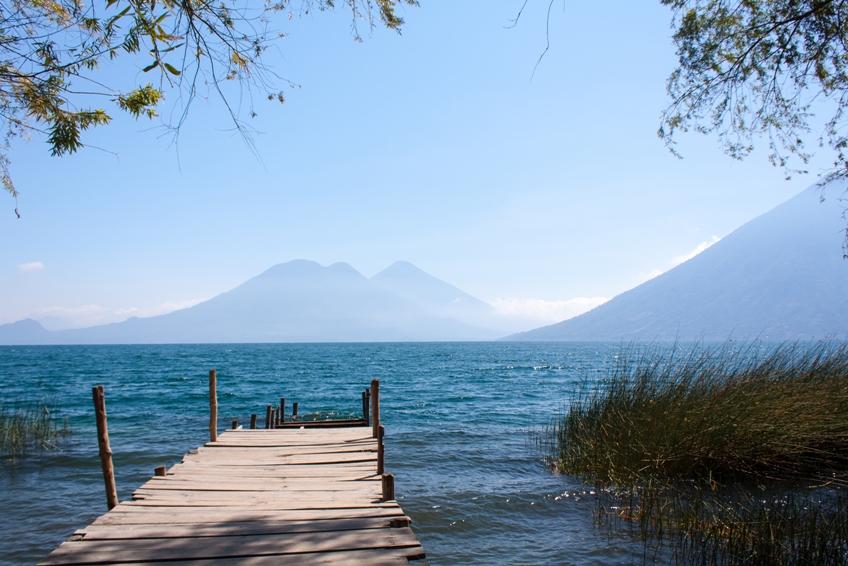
(780, 276)
(431, 294)
(444, 300)
(298, 301)
(26, 331)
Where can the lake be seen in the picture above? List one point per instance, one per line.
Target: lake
(461, 421)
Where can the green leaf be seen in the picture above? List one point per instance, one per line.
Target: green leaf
(151, 66)
(171, 69)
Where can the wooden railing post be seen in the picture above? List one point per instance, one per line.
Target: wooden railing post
(381, 451)
(388, 487)
(375, 406)
(105, 448)
(213, 406)
(366, 416)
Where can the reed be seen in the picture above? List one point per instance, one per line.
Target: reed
(708, 453)
(30, 426)
(733, 526)
(719, 414)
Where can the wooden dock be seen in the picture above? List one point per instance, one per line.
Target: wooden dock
(279, 496)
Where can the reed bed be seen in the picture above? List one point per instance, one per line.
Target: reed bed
(719, 414)
(732, 526)
(30, 426)
(728, 454)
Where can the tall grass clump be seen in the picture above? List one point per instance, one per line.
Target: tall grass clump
(720, 414)
(30, 427)
(729, 454)
(733, 525)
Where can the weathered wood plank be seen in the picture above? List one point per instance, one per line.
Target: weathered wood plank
(219, 515)
(230, 528)
(382, 557)
(107, 551)
(290, 484)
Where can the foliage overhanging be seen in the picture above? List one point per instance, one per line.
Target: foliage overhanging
(750, 68)
(50, 51)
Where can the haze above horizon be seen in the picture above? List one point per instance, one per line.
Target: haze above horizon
(435, 147)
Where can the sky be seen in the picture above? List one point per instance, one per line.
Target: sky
(543, 190)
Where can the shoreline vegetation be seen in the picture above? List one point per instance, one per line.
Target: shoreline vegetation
(30, 426)
(728, 454)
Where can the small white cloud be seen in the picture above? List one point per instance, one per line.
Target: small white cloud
(164, 308)
(677, 260)
(698, 249)
(30, 267)
(171, 306)
(647, 276)
(541, 309)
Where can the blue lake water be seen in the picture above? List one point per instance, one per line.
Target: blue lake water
(461, 422)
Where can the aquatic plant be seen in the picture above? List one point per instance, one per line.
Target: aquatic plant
(732, 526)
(30, 426)
(707, 453)
(724, 413)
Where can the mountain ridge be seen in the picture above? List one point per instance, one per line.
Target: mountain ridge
(779, 276)
(296, 301)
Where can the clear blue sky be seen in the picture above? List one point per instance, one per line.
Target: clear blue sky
(434, 147)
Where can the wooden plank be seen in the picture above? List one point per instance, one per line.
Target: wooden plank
(262, 505)
(382, 557)
(221, 515)
(109, 551)
(291, 484)
(230, 528)
(365, 491)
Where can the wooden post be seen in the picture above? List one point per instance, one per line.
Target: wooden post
(213, 406)
(375, 406)
(253, 421)
(159, 470)
(381, 450)
(277, 416)
(388, 487)
(268, 417)
(282, 409)
(235, 424)
(365, 412)
(105, 448)
(294, 410)
(273, 417)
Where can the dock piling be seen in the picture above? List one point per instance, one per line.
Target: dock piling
(159, 471)
(282, 409)
(375, 406)
(235, 424)
(388, 487)
(253, 421)
(381, 450)
(213, 406)
(105, 448)
(365, 412)
(268, 421)
(294, 410)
